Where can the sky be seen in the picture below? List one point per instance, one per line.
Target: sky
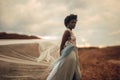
(98, 20)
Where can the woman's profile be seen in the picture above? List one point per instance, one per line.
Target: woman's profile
(67, 66)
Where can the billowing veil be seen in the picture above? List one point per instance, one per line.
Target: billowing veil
(49, 53)
(18, 60)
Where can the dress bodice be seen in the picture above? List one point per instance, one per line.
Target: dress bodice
(72, 39)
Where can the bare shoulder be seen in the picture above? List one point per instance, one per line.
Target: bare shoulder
(67, 32)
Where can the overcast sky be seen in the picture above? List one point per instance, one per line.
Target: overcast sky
(98, 20)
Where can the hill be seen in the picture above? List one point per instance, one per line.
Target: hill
(4, 35)
(100, 63)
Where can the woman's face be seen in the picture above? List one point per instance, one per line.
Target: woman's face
(72, 23)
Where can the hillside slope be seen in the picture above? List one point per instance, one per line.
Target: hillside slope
(100, 63)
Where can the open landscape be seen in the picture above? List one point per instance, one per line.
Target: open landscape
(24, 61)
(31, 33)
(100, 63)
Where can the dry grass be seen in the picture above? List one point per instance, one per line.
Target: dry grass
(95, 63)
(100, 63)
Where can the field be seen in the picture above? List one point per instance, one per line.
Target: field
(21, 61)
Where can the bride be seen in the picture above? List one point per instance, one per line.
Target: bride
(67, 66)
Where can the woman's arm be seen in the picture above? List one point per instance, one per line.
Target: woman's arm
(65, 37)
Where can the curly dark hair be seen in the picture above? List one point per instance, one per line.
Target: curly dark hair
(69, 18)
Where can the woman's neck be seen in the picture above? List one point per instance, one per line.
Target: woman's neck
(70, 29)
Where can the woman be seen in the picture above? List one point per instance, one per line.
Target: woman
(67, 66)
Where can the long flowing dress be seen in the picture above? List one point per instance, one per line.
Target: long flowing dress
(67, 66)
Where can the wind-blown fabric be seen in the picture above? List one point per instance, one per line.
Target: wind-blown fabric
(67, 66)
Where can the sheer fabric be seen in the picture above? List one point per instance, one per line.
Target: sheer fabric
(67, 66)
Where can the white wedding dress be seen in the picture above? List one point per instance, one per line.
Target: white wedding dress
(67, 66)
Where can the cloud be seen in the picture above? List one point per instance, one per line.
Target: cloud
(32, 16)
(114, 33)
(83, 43)
(96, 19)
